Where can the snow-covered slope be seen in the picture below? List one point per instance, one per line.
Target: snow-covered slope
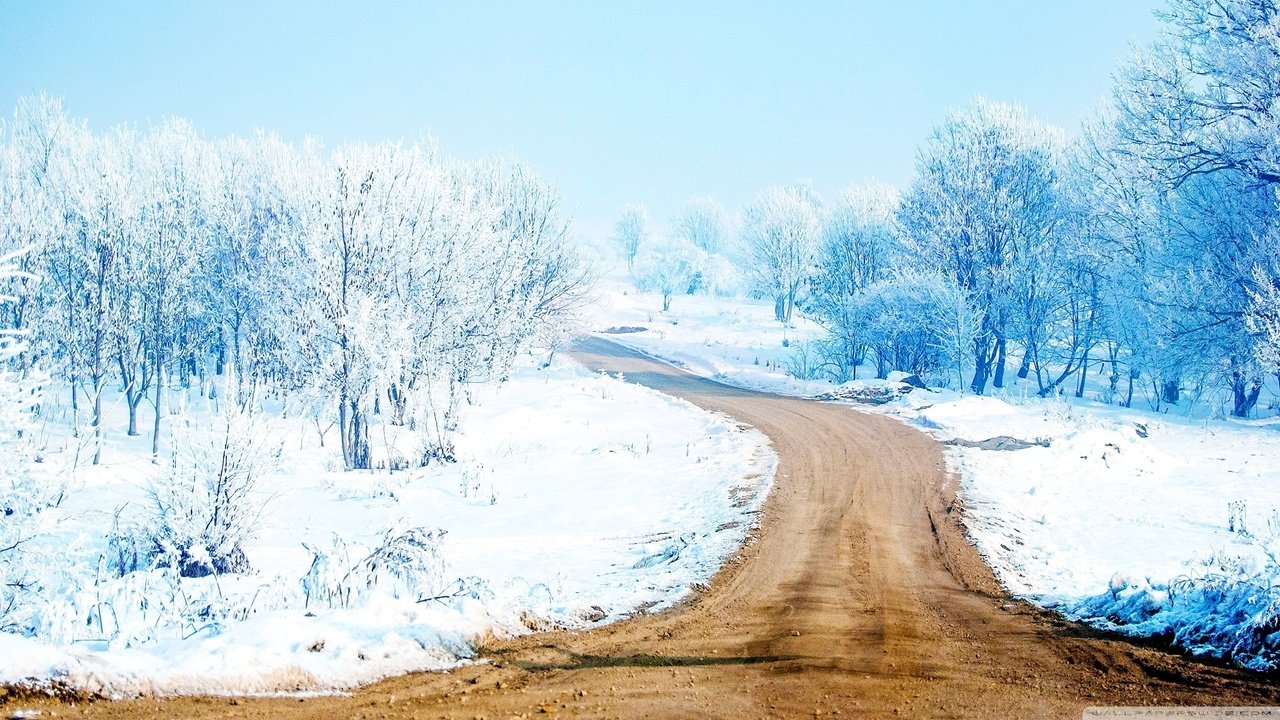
(576, 499)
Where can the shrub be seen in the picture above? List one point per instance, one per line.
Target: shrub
(205, 504)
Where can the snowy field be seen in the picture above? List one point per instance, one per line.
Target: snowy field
(1144, 523)
(576, 499)
(736, 341)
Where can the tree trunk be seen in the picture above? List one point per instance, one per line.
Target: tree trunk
(343, 439)
(362, 443)
(97, 420)
(1244, 394)
(221, 355)
(1024, 368)
(666, 301)
(353, 431)
(237, 362)
(399, 402)
(780, 308)
(998, 381)
(75, 408)
(1084, 373)
(155, 428)
(982, 366)
(133, 415)
(356, 438)
(1169, 391)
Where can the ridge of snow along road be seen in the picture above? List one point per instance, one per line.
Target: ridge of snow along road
(576, 499)
(1137, 522)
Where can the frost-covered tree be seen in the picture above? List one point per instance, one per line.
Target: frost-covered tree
(631, 231)
(31, 154)
(1123, 229)
(1195, 119)
(859, 247)
(426, 275)
(514, 281)
(1204, 98)
(355, 234)
(670, 268)
(780, 233)
(704, 224)
(100, 207)
(253, 235)
(986, 198)
(916, 321)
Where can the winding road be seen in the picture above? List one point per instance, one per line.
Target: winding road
(858, 597)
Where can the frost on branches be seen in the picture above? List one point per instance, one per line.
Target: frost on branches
(207, 504)
(367, 286)
(26, 493)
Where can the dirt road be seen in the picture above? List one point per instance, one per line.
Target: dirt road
(859, 597)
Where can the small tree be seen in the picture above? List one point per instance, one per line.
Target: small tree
(669, 268)
(858, 248)
(702, 223)
(631, 231)
(917, 322)
(780, 231)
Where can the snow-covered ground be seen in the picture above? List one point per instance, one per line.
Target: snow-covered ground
(576, 499)
(737, 341)
(1145, 523)
(1136, 522)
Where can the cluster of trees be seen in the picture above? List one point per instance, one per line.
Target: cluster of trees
(1146, 248)
(694, 257)
(366, 284)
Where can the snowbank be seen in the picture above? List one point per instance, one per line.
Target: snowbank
(1135, 522)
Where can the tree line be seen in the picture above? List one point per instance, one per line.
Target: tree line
(1143, 249)
(362, 283)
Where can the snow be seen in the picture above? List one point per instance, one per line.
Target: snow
(576, 499)
(737, 341)
(1117, 517)
(1120, 510)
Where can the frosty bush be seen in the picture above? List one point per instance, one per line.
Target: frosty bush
(204, 505)
(806, 363)
(407, 564)
(913, 323)
(25, 502)
(1227, 610)
(1228, 607)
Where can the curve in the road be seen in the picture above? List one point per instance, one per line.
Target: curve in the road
(859, 596)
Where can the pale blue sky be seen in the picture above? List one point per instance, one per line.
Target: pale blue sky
(614, 102)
